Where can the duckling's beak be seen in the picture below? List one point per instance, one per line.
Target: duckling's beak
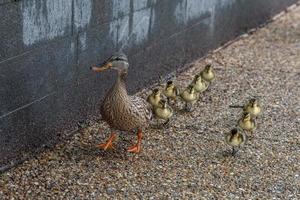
(106, 65)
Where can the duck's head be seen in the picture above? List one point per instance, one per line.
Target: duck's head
(156, 92)
(118, 61)
(208, 68)
(197, 78)
(234, 131)
(247, 116)
(253, 102)
(169, 85)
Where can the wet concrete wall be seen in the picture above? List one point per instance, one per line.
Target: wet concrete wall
(47, 47)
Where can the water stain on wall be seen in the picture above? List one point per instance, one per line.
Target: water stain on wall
(120, 8)
(45, 19)
(132, 19)
(141, 21)
(82, 13)
(188, 10)
(139, 4)
(126, 29)
(48, 19)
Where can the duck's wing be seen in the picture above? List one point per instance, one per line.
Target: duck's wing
(142, 107)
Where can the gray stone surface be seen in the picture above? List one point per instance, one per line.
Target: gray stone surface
(47, 47)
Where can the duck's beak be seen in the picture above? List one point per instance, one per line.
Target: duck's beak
(106, 65)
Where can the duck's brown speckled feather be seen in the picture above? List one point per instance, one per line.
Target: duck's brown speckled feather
(123, 112)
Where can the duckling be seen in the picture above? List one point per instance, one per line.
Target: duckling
(199, 84)
(171, 91)
(253, 107)
(247, 122)
(189, 95)
(208, 73)
(235, 138)
(154, 98)
(163, 111)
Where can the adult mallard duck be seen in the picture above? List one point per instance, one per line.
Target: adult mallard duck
(121, 111)
(235, 138)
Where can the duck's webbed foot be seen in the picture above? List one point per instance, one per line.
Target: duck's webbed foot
(234, 151)
(109, 143)
(137, 147)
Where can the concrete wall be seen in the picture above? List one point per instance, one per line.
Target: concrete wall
(47, 47)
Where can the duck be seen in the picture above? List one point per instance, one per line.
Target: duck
(189, 96)
(235, 138)
(120, 110)
(208, 73)
(246, 122)
(252, 107)
(163, 111)
(200, 85)
(171, 91)
(155, 97)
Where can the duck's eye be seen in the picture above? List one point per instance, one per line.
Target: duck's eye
(119, 59)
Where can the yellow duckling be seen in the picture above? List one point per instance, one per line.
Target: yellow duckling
(208, 73)
(253, 107)
(247, 122)
(235, 138)
(154, 98)
(163, 111)
(171, 91)
(199, 84)
(190, 96)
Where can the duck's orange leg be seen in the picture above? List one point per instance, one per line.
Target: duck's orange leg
(109, 143)
(137, 147)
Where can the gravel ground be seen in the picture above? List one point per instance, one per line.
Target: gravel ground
(189, 159)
